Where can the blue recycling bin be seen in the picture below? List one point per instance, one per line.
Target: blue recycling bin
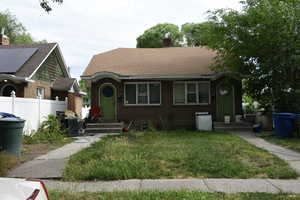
(284, 124)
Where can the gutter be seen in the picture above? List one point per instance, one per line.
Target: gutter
(118, 77)
(15, 78)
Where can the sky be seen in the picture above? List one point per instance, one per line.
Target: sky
(83, 28)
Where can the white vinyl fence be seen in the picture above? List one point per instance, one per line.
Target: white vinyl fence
(34, 111)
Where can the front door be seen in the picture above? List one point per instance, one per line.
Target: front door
(108, 102)
(225, 101)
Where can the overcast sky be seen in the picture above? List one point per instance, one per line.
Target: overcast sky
(84, 28)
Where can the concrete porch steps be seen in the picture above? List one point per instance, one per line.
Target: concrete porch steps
(104, 127)
(233, 126)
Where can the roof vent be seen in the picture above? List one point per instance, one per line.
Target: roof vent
(167, 41)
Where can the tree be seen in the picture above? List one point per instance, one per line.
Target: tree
(153, 37)
(262, 42)
(84, 88)
(196, 34)
(46, 6)
(14, 29)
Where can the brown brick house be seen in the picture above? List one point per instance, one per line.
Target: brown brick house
(162, 84)
(36, 70)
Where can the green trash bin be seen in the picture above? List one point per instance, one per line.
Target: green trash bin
(11, 130)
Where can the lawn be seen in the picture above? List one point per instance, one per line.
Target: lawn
(29, 151)
(174, 154)
(290, 143)
(169, 195)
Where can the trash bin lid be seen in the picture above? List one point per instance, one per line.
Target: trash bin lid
(10, 119)
(285, 115)
(7, 115)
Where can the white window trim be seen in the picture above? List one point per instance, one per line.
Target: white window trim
(136, 93)
(197, 93)
(44, 91)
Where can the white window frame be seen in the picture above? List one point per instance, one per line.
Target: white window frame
(197, 92)
(37, 92)
(136, 93)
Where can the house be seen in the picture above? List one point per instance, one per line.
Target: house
(163, 85)
(37, 71)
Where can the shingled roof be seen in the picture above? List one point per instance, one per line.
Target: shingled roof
(63, 84)
(153, 61)
(35, 60)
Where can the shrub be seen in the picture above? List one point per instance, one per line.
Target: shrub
(49, 131)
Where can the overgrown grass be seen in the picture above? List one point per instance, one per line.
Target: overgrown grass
(290, 143)
(7, 162)
(169, 195)
(175, 154)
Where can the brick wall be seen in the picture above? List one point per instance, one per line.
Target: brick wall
(30, 89)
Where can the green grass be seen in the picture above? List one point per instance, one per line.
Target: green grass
(7, 162)
(175, 154)
(169, 195)
(290, 143)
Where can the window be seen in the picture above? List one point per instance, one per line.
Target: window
(40, 92)
(191, 92)
(142, 94)
(179, 93)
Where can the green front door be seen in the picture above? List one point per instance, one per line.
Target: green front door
(225, 101)
(108, 102)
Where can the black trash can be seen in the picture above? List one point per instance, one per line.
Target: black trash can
(73, 127)
(11, 135)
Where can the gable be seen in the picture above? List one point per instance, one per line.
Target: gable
(50, 70)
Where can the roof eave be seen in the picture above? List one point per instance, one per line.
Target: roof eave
(118, 77)
(15, 78)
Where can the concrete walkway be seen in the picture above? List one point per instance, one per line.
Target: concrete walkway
(291, 157)
(205, 185)
(51, 165)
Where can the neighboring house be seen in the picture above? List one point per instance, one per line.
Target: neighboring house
(37, 70)
(166, 85)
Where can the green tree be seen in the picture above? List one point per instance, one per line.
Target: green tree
(86, 89)
(262, 42)
(197, 34)
(46, 5)
(14, 29)
(153, 37)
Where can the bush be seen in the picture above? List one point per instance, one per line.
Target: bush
(49, 131)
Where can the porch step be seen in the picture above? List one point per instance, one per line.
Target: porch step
(233, 126)
(104, 128)
(105, 125)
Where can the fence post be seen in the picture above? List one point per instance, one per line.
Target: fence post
(13, 95)
(39, 109)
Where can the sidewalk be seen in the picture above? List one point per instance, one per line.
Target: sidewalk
(291, 157)
(51, 165)
(205, 185)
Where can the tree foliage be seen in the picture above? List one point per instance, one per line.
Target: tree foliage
(14, 29)
(46, 5)
(86, 89)
(262, 42)
(153, 37)
(196, 34)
